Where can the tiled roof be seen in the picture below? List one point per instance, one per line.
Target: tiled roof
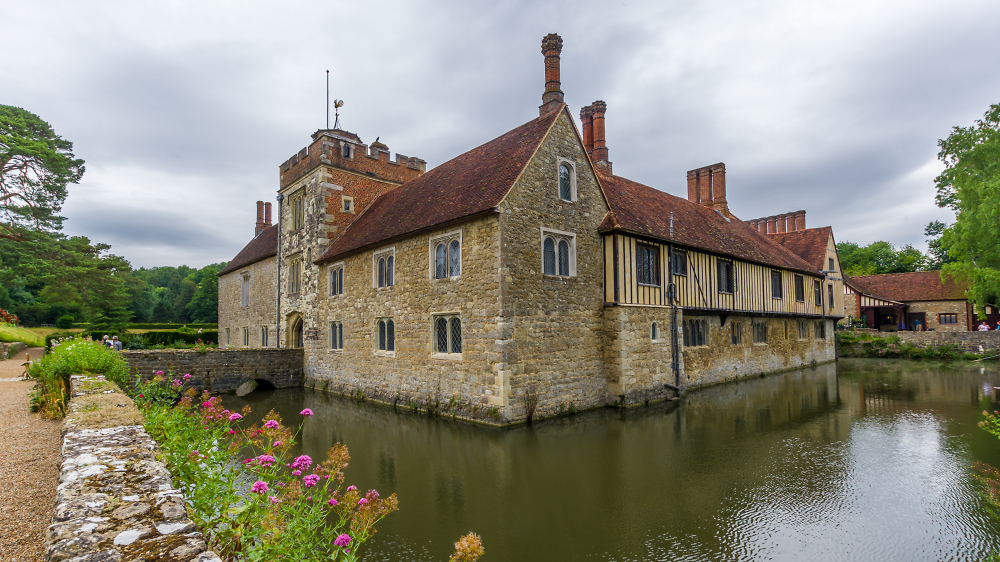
(466, 185)
(264, 245)
(909, 287)
(643, 210)
(809, 244)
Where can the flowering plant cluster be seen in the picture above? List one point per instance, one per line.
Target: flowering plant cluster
(8, 318)
(252, 498)
(69, 357)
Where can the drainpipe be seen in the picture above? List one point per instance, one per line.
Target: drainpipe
(672, 298)
(277, 320)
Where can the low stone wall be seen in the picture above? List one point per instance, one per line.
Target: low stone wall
(7, 348)
(115, 501)
(221, 370)
(968, 341)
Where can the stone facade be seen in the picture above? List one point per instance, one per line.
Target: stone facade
(972, 342)
(934, 309)
(220, 370)
(260, 315)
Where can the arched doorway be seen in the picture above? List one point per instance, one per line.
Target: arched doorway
(295, 330)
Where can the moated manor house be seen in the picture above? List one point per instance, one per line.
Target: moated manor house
(523, 277)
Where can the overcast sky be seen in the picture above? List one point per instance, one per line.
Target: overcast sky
(183, 111)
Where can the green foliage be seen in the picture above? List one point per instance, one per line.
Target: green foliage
(70, 357)
(193, 326)
(937, 256)
(878, 258)
(970, 185)
(36, 165)
(65, 322)
(182, 294)
(13, 334)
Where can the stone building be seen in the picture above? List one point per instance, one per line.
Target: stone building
(248, 289)
(524, 278)
(918, 300)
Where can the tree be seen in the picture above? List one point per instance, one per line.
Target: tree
(970, 186)
(879, 258)
(937, 256)
(35, 166)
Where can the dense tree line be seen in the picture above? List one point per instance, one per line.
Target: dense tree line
(47, 277)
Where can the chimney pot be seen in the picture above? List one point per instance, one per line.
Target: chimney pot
(600, 154)
(782, 223)
(552, 98)
(772, 224)
(693, 186)
(800, 220)
(719, 201)
(260, 218)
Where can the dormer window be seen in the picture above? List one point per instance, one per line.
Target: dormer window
(567, 180)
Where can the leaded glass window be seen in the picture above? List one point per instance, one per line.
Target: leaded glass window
(565, 183)
(456, 335)
(549, 252)
(454, 259)
(441, 262)
(563, 258)
(442, 335)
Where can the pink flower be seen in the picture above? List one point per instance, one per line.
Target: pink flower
(307, 412)
(265, 460)
(277, 444)
(351, 488)
(187, 377)
(274, 499)
(310, 480)
(159, 372)
(206, 404)
(342, 541)
(141, 396)
(259, 487)
(271, 424)
(332, 502)
(296, 472)
(303, 462)
(231, 432)
(362, 501)
(235, 417)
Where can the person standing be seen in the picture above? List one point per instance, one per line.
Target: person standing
(116, 343)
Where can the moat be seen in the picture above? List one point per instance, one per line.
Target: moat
(859, 460)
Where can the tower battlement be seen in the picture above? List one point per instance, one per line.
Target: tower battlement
(345, 150)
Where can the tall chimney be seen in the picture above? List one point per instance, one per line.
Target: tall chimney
(693, 186)
(704, 187)
(552, 98)
(719, 202)
(260, 218)
(772, 224)
(267, 214)
(782, 223)
(800, 220)
(587, 118)
(600, 153)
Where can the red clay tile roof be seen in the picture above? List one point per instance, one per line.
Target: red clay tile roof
(641, 209)
(264, 245)
(466, 185)
(809, 244)
(914, 286)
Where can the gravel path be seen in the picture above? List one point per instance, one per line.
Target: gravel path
(29, 469)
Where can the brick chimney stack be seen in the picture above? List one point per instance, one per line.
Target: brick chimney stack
(772, 225)
(800, 220)
(587, 118)
(693, 186)
(552, 98)
(718, 175)
(260, 218)
(267, 214)
(707, 186)
(600, 153)
(782, 223)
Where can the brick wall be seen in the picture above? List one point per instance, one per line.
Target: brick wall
(262, 311)
(933, 309)
(221, 370)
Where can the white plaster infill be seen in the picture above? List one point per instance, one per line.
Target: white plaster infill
(115, 501)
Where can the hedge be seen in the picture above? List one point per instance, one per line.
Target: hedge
(147, 339)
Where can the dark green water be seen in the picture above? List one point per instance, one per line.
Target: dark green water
(863, 460)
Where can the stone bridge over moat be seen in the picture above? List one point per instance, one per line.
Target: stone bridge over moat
(221, 370)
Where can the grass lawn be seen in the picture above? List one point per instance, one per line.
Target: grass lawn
(29, 336)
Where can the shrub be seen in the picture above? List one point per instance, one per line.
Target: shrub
(65, 322)
(70, 357)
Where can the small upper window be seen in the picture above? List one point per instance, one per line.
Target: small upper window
(736, 333)
(295, 275)
(263, 336)
(384, 269)
(777, 291)
(447, 255)
(565, 182)
(800, 289)
(386, 340)
(245, 290)
(336, 335)
(831, 264)
(337, 280)
(727, 282)
(817, 293)
(679, 264)
(298, 212)
(346, 150)
(654, 332)
(647, 264)
(348, 204)
(558, 254)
